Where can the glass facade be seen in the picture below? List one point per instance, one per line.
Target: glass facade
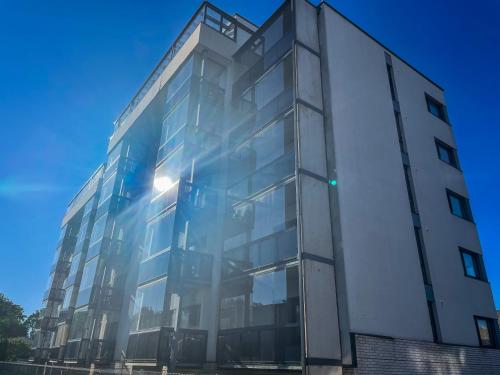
(199, 214)
(195, 242)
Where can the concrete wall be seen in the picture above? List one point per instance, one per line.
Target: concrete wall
(383, 277)
(382, 270)
(379, 356)
(458, 298)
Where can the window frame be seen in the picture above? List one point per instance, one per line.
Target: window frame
(443, 114)
(491, 331)
(464, 205)
(452, 153)
(478, 264)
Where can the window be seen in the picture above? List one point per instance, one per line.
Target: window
(67, 298)
(273, 83)
(436, 108)
(399, 128)
(168, 173)
(473, 264)
(485, 331)
(421, 254)
(114, 155)
(75, 263)
(175, 120)
(191, 310)
(262, 299)
(78, 328)
(274, 33)
(391, 82)
(180, 77)
(409, 188)
(159, 234)
(459, 205)
(447, 153)
(89, 272)
(269, 213)
(98, 230)
(264, 159)
(108, 188)
(148, 306)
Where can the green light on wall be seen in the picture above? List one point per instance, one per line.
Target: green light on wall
(333, 182)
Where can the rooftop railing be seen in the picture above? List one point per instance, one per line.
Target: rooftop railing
(207, 14)
(88, 185)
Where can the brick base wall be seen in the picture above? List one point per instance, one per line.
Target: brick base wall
(386, 356)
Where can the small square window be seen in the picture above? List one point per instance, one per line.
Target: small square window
(473, 265)
(436, 108)
(459, 205)
(485, 331)
(446, 153)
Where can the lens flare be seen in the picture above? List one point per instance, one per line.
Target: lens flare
(162, 183)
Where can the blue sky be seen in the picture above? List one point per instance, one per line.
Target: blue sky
(67, 69)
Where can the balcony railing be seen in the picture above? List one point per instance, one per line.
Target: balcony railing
(207, 14)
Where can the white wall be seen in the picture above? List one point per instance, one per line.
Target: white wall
(384, 286)
(458, 298)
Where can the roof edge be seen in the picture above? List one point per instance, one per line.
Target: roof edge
(379, 43)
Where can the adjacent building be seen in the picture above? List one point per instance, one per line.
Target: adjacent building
(278, 198)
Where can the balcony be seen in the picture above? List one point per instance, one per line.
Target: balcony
(155, 347)
(206, 14)
(54, 294)
(61, 266)
(124, 165)
(113, 204)
(101, 351)
(76, 350)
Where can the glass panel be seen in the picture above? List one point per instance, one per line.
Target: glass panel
(75, 262)
(444, 154)
(88, 274)
(67, 298)
(484, 332)
(191, 309)
(98, 229)
(263, 299)
(267, 214)
(182, 75)
(273, 33)
(435, 109)
(456, 206)
(107, 188)
(232, 312)
(168, 173)
(154, 267)
(148, 306)
(159, 234)
(470, 265)
(268, 290)
(78, 324)
(175, 120)
(270, 86)
(263, 160)
(114, 155)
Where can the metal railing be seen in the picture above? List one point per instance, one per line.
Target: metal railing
(27, 368)
(207, 14)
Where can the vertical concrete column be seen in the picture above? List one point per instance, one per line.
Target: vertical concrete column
(213, 326)
(321, 351)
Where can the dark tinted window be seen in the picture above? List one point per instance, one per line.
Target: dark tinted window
(485, 331)
(473, 265)
(459, 206)
(436, 108)
(446, 153)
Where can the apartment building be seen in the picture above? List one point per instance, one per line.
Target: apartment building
(284, 197)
